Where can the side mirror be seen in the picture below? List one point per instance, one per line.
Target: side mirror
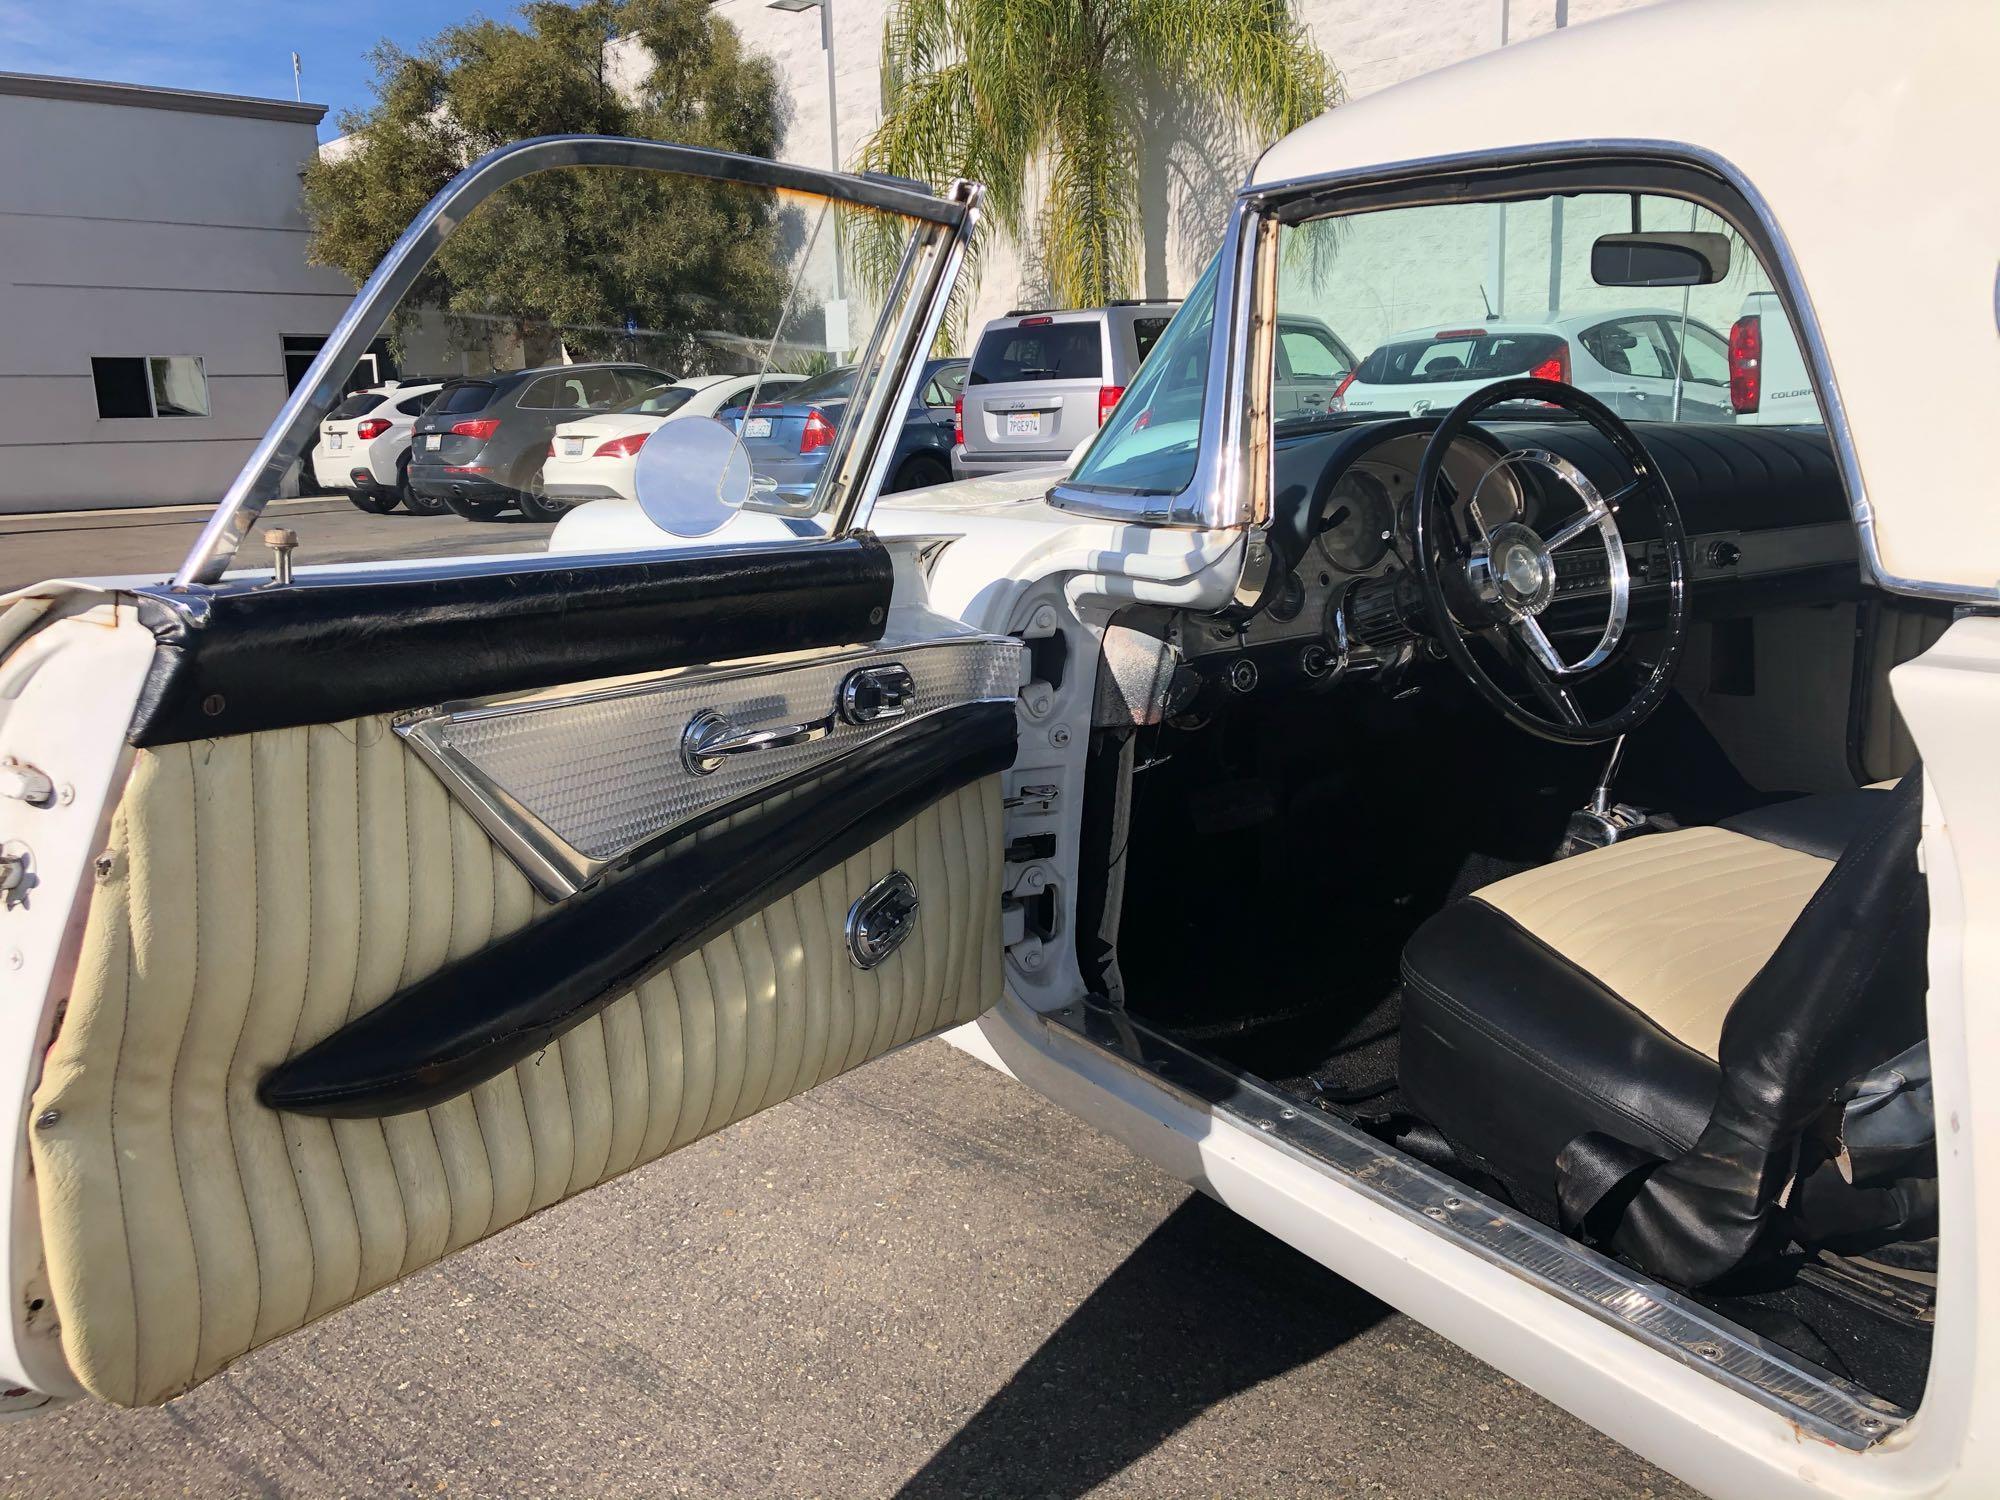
(1694, 258)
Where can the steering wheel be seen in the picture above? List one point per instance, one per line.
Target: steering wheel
(1493, 578)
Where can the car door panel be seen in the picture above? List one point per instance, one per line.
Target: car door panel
(320, 916)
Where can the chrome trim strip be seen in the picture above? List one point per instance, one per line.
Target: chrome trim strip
(285, 439)
(572, 782)
(1821, 1403)
(1219, 508)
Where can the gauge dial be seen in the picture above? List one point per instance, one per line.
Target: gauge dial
(1359, 516)
(1288, 600)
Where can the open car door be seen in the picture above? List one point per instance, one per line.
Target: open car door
(355, 915)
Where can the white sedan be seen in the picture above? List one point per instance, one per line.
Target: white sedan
(594, 459)
(364, 446)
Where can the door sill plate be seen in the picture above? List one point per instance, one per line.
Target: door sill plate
(1822, 1403)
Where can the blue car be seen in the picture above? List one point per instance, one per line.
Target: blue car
(789, 441)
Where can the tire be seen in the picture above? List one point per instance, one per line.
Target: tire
(534, 504)
(421, 505)
(375, 502)
(474, 510)
(917, 471)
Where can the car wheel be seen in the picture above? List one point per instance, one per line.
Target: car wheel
(535, 505)
(474, 510)
(420, 504)
(375, 502)
(918, 470)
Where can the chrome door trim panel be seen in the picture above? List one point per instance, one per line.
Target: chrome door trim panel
(1821, 1403)
(258, 480)
(574, 781)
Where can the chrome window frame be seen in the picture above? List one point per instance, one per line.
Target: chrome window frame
(1220, 497)
(936, 250)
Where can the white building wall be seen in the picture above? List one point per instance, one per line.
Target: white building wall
(1374, 43)
(146, 222)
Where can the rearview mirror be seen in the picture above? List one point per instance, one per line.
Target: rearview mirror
(1663, 259)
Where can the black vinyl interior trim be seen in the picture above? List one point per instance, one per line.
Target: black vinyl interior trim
(475, 1018)
(242, 658)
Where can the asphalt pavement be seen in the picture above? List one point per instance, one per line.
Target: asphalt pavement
(920, 1280)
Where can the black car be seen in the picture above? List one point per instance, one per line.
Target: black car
(480, 446)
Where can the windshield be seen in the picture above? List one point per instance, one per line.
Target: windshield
(834, 385)
(659, 401)
(1441, 300)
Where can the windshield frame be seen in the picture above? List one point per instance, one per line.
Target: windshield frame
(940, 226)
(1221, 494)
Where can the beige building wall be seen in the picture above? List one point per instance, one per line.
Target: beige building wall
(142, 222)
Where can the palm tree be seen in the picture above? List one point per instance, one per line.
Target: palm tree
(1053, 93)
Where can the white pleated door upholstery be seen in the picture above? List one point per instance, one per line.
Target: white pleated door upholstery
(260, 891)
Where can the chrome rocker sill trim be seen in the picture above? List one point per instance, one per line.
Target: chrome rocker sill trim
(1821, 1403)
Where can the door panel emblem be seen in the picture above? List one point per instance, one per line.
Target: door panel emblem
(880, 922)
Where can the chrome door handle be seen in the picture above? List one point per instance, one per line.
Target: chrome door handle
(710, 739)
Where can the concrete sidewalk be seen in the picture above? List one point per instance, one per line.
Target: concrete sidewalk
(154, 539)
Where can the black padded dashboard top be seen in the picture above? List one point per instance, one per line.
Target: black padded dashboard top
(1724, 478)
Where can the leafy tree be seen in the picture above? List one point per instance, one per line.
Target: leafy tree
(1013, 93)
(588, 253)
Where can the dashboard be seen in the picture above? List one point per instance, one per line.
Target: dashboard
(1763, 507)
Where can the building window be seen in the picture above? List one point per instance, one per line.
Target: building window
(159, 385)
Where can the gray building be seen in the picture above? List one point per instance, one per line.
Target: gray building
(155, 301)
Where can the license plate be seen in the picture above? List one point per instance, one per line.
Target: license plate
(1024, 424)
(572, 447)
(433, 440)
(335, 440)
(757, 427)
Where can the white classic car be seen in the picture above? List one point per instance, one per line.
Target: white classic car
(1545, 867)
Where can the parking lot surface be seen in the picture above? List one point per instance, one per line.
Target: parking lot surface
(919, 1280)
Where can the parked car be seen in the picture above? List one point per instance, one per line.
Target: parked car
(1042, 381)
(1263, 801)
(1626, 359)
(480, 446)
(789, 440)
(594, 459)
(364, 445)
(1768, 383)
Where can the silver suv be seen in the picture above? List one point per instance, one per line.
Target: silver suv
(1043, 381)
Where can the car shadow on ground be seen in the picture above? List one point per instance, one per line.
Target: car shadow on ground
(1206, 1307)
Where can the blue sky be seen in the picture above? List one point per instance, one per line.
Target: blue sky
(226, 46)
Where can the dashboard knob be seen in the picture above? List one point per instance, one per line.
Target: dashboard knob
(1724, 554)
(1243, 675)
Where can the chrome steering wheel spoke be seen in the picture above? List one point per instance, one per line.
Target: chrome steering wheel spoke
(1497, 582)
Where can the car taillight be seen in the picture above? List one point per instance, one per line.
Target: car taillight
(1555, 367)
(818, 433)
(480, 427)
(1746, 363)
(627, 446)
(372, 427)
(1108, 397)
(1341, 390)
(958, 420)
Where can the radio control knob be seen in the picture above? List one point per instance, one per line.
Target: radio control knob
(1724, 554)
